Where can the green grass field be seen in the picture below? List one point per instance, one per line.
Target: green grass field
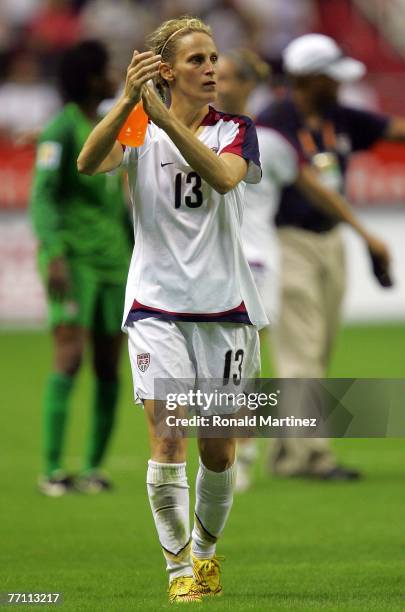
(289, 545)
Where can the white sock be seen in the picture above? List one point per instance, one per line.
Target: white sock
(214, 496)
(169, 499)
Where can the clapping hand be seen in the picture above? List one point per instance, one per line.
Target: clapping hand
(143, 67)
(154, 107)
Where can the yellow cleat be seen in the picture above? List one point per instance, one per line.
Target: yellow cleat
(207, 574)
(184, 590)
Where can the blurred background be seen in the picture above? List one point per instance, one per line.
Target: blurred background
(34, 33)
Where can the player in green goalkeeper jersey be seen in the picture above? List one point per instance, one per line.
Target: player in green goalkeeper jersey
(83, 230)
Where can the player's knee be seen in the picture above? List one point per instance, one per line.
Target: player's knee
(219, 464)
(169, 450)
(69, 347)
(69, 359)
(70, 363)
(218, 459)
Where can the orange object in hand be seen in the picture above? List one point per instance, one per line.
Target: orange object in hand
(133, 131)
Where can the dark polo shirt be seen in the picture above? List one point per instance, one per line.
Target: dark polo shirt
(353, 130)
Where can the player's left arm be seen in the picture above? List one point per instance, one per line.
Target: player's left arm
(395, 129)
(222, 172)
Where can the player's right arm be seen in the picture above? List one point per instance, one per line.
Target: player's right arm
(101, 151)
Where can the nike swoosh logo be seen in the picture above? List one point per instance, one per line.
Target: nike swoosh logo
(166, 164)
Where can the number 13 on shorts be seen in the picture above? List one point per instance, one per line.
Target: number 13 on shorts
(233, 361)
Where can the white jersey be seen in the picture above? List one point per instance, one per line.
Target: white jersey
(280, 167)
(188, 262)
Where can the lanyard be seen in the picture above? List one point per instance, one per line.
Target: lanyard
(308, 143)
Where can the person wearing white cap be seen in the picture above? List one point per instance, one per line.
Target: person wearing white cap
(238, 73)
(323, 134)
(318, 54)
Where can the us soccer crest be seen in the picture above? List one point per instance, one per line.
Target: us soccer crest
(143, 361)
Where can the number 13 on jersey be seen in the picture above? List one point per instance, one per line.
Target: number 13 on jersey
(192, 201)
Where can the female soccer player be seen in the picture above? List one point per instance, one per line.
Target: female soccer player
(192, 309)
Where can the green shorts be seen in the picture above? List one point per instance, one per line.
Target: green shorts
(92, 303)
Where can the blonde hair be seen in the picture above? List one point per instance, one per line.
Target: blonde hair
(164, 39)
(249, 65)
